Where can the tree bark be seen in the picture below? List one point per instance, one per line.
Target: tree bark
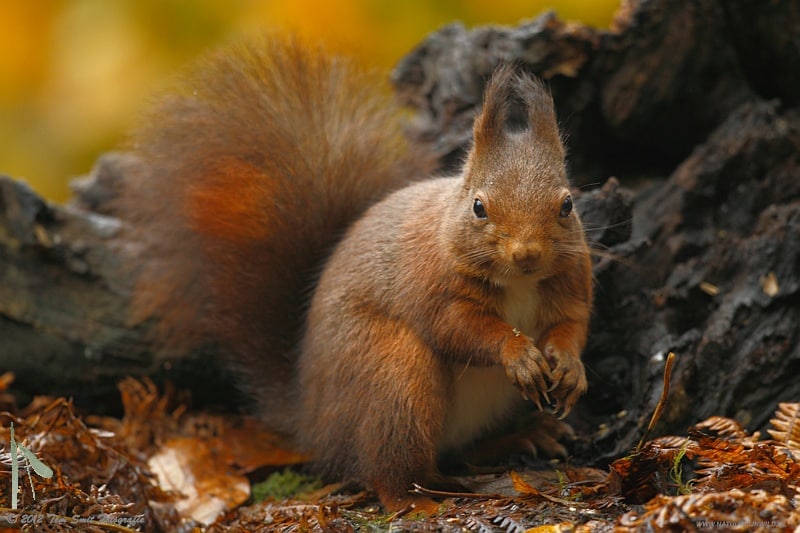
(690, 105)
(66, 274)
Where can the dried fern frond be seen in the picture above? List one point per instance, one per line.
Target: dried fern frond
(787, 425)
(671, 441)
(726, 428)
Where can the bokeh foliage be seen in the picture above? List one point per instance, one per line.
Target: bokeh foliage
(73, 73)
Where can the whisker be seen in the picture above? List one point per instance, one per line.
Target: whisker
(622, 223)
(589, 186)
(604, 254)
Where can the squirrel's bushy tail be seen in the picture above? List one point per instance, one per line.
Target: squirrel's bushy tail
(252, 167)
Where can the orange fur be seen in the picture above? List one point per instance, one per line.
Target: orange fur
(272, 155)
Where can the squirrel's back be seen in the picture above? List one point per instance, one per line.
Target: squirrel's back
(251, 169)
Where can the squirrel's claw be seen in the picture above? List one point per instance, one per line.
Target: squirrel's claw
(569, 380)
(529, 371)
(535, 400)
(565, 410)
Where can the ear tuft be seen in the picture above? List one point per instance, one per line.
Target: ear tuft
(490, 124)
(512, 89)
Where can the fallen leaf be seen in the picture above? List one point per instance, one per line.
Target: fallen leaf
(208, 486)
(249, 446)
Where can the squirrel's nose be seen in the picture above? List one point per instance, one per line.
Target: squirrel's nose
(526, 256)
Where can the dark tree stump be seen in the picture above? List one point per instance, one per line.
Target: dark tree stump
(690, 105)
(670, 102)
(65, 280)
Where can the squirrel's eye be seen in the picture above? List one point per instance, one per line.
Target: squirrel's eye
(479, 209)
(566, 207)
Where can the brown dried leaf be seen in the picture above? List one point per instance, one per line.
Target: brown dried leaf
(787, 425)
(249, 446)
(523, 487)
(208, 486)
(207, 456)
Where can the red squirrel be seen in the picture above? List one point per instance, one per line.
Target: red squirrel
(377, 315)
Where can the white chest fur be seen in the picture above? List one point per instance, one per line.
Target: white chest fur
(521, 306)
(483, 396)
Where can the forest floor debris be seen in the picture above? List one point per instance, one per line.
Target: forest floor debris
(161, 467)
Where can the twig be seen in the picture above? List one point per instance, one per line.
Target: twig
(422, 491)
(662, 401)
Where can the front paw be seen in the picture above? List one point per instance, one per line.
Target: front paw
(528, 370)
(568, 378)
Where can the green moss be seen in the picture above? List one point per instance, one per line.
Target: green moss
(286, 484)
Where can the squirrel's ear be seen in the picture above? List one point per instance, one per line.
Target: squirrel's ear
(509, 87)
(540, 108)
(489, 126)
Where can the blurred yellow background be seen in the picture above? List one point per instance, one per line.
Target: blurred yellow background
(73, 73)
